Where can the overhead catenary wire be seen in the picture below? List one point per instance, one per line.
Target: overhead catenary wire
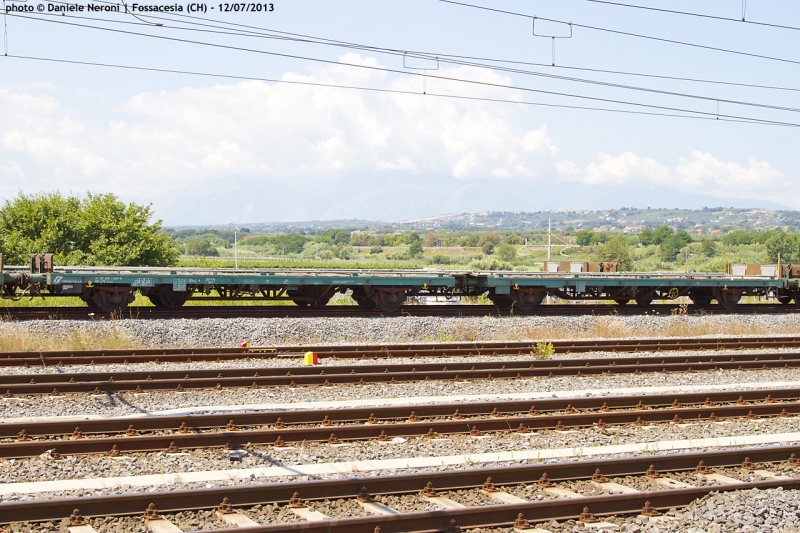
(404, 54)
(628, 34)
(606, 100)
(397, 71)
(699, 15)
(383, 90)
(439, 54)
(429, 55)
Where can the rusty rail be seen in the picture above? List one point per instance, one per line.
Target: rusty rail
(482, 516)
(295, 376)
(388, 351)
(384, 423)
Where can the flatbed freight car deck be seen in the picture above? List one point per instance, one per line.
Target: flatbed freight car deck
(111, 289)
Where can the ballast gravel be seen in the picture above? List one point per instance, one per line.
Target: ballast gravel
(286, 361)
(275, 331)
(748, 511)
(130, 403)
(44, 468)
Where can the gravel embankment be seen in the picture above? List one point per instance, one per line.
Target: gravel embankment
(129, 403)
(768, 511)
(44, 468)
(297, 361)
(271, 331)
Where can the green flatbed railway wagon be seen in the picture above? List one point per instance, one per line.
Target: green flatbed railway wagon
(111, 289)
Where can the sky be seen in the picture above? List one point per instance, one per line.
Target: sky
(315, 102)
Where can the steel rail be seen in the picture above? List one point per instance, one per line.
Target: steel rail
(458, 349)
(362, 415)
(57, 384)
(234, 439)
(487, 516)
(326, 370)
(462, 479)
(286, 311)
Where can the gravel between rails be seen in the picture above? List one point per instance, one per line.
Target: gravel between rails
(129, 403)
(324, 362)
(768, 511)
(271, 331)
(749, 511)
(44, 468)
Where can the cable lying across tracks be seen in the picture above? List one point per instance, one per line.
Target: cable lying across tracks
(281, 311)
(745, 465)
(121, 435)
(100, 383)
(388, 351)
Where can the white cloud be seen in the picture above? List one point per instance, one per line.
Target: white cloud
(700, 172)
(158, 141)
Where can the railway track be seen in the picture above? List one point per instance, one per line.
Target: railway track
(387, 374)
(175, 433)
(388, 351)
(287, 311)
(756, 468)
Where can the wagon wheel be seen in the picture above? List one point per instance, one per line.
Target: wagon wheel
(360, 297)
(701, 297)
(313, 296)
(389, 300)
(167, 298)
(785, 300)
(727, 299)
(93, 307)
(644, 301)
(622, 301)
(108, 303)
(527, 300)
(504, 303)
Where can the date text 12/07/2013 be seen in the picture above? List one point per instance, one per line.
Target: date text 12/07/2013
(246, 8)
(230, 8)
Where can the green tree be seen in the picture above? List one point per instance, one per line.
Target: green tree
(736, 237)
(412, 237)
(415, 249)
(661, 233)
(585, 237)
(487, 247)
(785, 245)
(200, 246)
(672, 245)
(336, 236)
(96, 229)
(617, 249)
(514, 239)
(506, 252)
(470, 240)
(646, 237)
(709, 248)
(344, 252)
(291, 243)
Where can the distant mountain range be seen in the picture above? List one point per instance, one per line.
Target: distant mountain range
(393, 197)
